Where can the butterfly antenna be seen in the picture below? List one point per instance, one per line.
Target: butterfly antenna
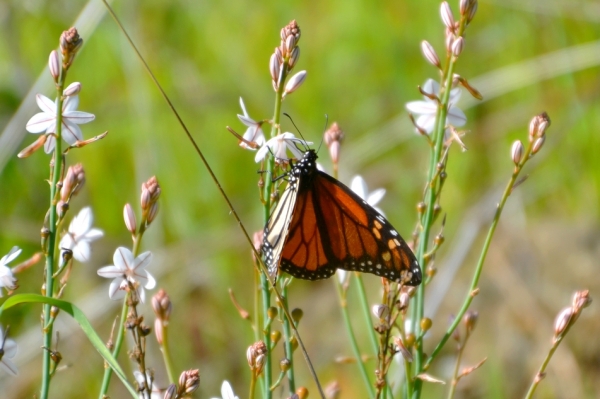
(298, 130)
(324, 129)
(214, 178)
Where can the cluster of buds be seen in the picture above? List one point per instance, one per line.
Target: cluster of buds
(537, 136)
(162, 306)
(256, 355)
(70, 43)
(284, 58)
(567, 317)
(149, 199)
(333, 139)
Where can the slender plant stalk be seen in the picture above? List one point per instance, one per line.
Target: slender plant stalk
(353, 343)
(454, 382)
(117, 348)
(289, 351)
(536, 381)
(166, 351)
(430, 197)
(52, 239)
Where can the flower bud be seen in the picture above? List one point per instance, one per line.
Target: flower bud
(70, 43)
(189, 381)
(152, 213)
(274, 67)
(256, 356)
(302, 393)
(275, 336)
(516, 152)
(171, 392)
(150, 193)
(333, 138)
(295, 82)
(447, 16)
(581, 299)
(430, 54)
(72, 89)
(425, 324)
(129, 217)
(457, 46)
(562, 321)
(537, 144)
(295, 54)
(272, 312)
(285, 364)
(162, 306)
(54, 65)
(33, 147)
(158, 331)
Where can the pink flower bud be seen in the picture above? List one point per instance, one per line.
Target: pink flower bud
(72, 89)
(447, 16)
(54, 65)
(430, 54)
(516, 152)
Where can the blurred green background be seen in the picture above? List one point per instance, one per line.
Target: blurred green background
(364, 63)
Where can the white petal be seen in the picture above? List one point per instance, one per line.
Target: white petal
(376, 196)
(243, 106)
(261, 153)
(246, 120)
(142, 294)
(79, 117)
(82, 251)
(359, 186)
(341, 275)
(39, 122)
(11, 255)
(431, 87)
(9, 366)
(422, 107)
(123, 259)
(151, 282)
(114, 291)
(456, 117)
(93, 234)
(49, 144)
(10, 348)
(227, 391)
(70, 104)
(110, 272)
(455, 95)
(71, 133)
(142, 261)
(46, 105)
(82, 222)
(67, 241)
(295, 151)
(426, 122)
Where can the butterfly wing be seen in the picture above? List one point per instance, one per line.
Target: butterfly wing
(357, 237)
(321, 225)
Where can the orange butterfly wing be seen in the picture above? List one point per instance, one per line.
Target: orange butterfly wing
(327, 226)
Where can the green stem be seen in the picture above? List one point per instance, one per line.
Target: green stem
(538, 378)
(454, 381)
(353, 343)
(52, 239)
(289, 352)
(167, 354)
(116, 350)
(364, 305)
(430, 198)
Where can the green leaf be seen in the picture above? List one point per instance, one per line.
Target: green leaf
(83, 322)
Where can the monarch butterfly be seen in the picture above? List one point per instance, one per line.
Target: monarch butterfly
(320, 225)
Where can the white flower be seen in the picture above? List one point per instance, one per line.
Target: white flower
(226, 391)
(144, 392)
(278, 145)
(126, 270)
(341, 275)
(45, 121)
(7, 280)
(359, 186)
(426, 110)
(80, 235)
(254, 133)
(8, 350)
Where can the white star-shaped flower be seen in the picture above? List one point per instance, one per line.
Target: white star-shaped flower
(7, 279)
(127, 270)
(8, 350)
(426, 110)
(278, 146)
(45, 121)
(80, 235)
(254, 133)
(226, 391)
(359, 186)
